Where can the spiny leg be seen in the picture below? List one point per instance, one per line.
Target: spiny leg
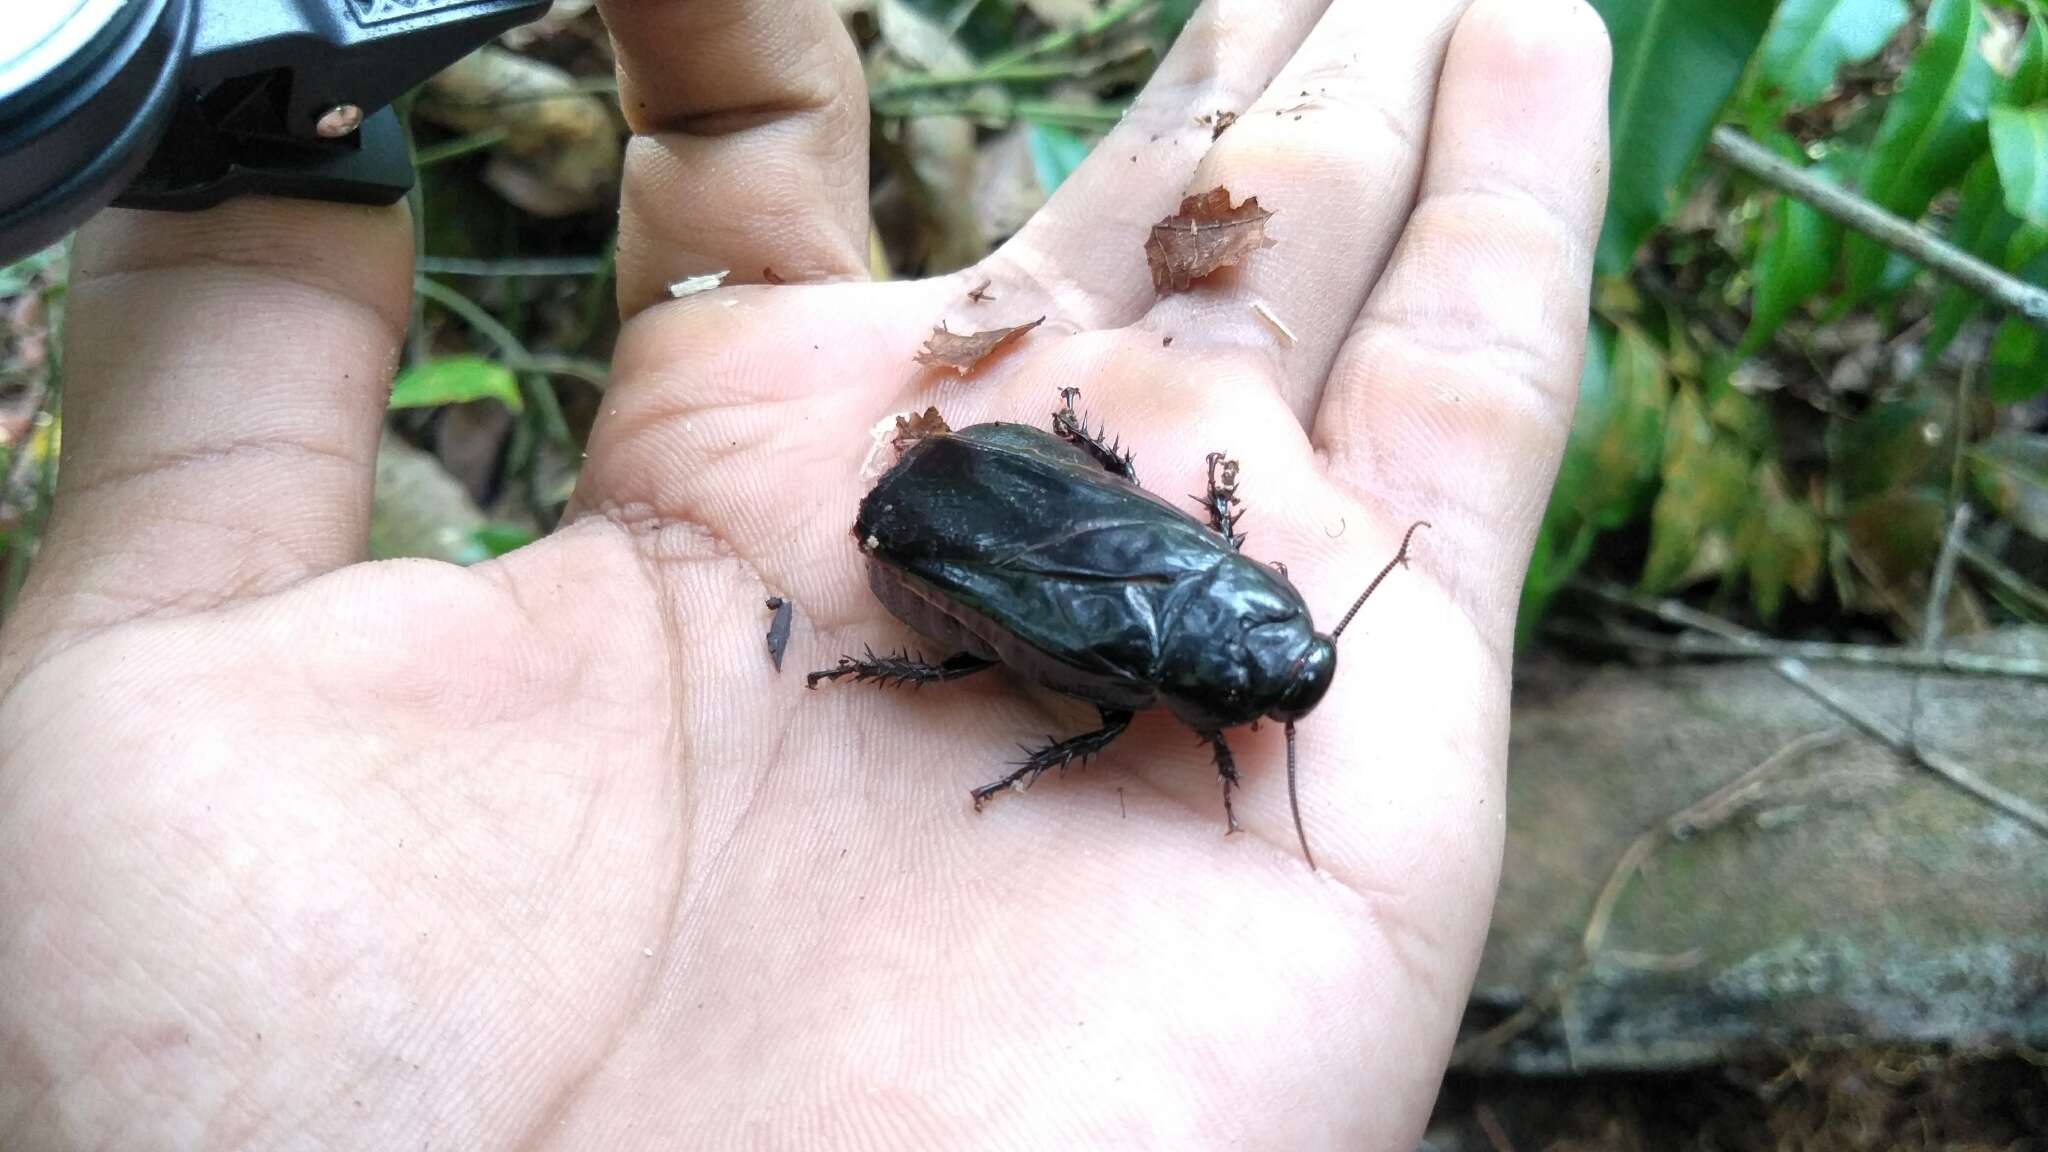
(1058, 754)
(1221, 502)
(1070, 427)
(1226, 767)
(901, 668)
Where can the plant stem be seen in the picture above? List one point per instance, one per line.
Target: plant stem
(571, 266)
(2026, 301)
(1993, 569)
(539, 393)
(460, 146)
(1083, 117)
(1021, 73)
(1059, 41)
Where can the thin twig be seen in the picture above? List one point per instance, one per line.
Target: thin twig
(1491, 1126)
(517, 266)
(1706, 813)
(538, 392)
(1697, 645)
(1837, 203)
(1998, 572)
(473, 314)
(1060, 40)
(1946, 767)
(1943, 766)
(1934, 621)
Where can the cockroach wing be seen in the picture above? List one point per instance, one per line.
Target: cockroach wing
(1017, 530)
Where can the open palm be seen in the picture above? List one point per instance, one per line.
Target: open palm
(296, 849)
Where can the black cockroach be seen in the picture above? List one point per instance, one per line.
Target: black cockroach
(1041, 552)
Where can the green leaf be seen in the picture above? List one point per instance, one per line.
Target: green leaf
(1705, 494)
(1810, 40)
(1780, 544)
(1932, 131)
(1895, 444)
(1675, 63)
(498, 539)
(1610, 461)
(2018, 363)
(1893, 540)
(2010, 473)
(1793, 265)
(1982, 227)
(1618, 432)
(1552, 563)
(2019, 146)
(1170, 16)
(1055, 153)
(455, 380)
(2028, 83)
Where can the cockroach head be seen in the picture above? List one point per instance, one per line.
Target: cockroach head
(1308, 681)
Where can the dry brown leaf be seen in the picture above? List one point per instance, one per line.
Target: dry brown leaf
(911, 429)
(1206, 234)
(962, 351)
(561, 147)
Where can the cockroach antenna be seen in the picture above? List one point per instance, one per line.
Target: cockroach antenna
(1399, 559)
(1294, 801)
(1293, 798)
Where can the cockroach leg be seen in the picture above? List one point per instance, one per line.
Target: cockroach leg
(1221, 502)
(1070, 427)
(901, 668)
(1058, 754)
(1226, 767)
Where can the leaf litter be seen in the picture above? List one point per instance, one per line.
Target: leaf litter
(1207, 234)
(962, 352)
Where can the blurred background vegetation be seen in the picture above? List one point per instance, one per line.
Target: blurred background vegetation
(1779, 417)
(1810, 435)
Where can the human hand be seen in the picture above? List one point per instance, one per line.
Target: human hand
(301, 850)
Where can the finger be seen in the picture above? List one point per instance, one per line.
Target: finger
(225, 378)
(750, 151)
(1083, 253)
(1451, 397)
(1333, 148)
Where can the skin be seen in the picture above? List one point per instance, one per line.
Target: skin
(299, 850)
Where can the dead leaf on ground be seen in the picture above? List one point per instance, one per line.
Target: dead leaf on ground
(911, 429)
(1205, 235)
(962, 351)
(561, 147)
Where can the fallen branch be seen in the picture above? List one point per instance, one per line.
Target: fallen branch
(1852, 211)
(1941, 765)
(1697, 645)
